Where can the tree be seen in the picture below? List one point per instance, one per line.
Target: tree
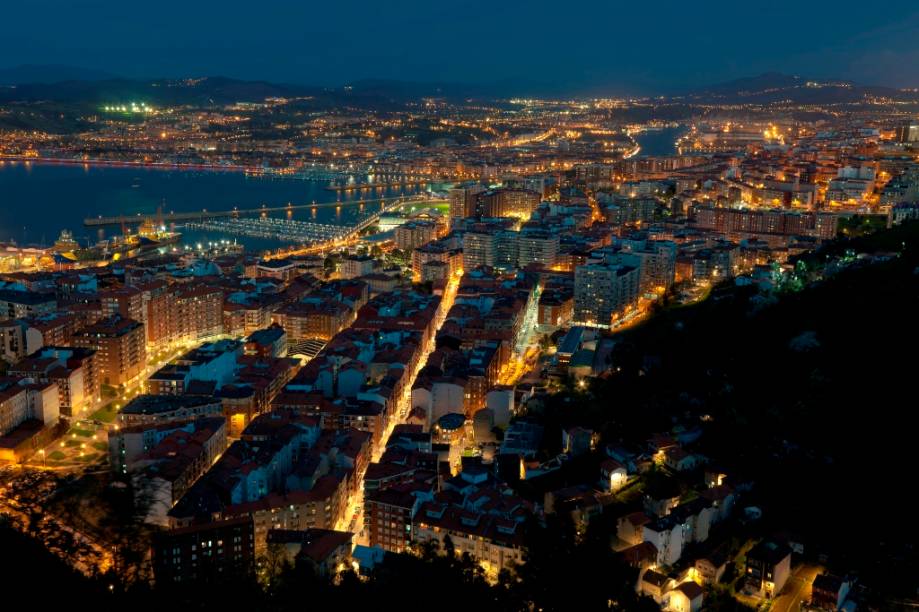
(273, 564)
(449, 550)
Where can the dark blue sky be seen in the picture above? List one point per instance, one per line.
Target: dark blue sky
(656, 46)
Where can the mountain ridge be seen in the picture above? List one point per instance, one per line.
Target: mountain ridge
(34, 82)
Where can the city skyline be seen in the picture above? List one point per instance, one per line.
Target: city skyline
(469, 306)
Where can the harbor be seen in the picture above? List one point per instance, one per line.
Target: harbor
(38, 201)
(269, 228)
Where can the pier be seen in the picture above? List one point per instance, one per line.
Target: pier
(205, 215)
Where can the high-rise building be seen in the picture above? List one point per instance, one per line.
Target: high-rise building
(602, 290)
(507, 202)
(480, 248)
(126, 302)
(199, 313)
(765, 221)
(388, 518)
(209, 553)
(463, 202)
(73, 370)
(537, 246)
(620, 209)
(159, 300)
(908, 132)
(414, 234)
(121, 348)
(506, 251)
(657, 262)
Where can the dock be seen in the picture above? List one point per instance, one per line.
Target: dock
(205, 215)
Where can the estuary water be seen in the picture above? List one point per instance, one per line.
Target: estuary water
(39, 200)
(659, 142)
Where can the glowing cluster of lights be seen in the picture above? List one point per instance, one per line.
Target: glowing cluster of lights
(133, 107)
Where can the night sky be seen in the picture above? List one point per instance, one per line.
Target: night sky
(601, 46)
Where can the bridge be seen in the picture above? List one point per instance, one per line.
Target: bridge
(203, 215)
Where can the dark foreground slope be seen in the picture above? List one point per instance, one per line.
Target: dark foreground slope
(812, 396)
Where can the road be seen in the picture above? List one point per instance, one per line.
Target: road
(797, 590)
(354, 521)
(86, 422)
(526, 351)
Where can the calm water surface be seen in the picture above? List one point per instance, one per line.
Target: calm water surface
(659, 142)
(37, 201)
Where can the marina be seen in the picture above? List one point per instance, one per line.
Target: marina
(294, 231)
(284, 230)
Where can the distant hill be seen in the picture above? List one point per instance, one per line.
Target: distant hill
(207, 90)
(402, 91)
(76, 86)
(376, 93)
(767, 80)
(50, 73)
(773, 87)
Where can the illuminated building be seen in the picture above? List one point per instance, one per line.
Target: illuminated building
(126, 302)
(908, 132)
(73, 370)
(414, 234)
(25, 399)
(313, 319)
(199, 313)
(535, 246)
(768, 567)
(355, 266)
(496, 542)
(215, 362)
(210, 553)
(388, 517)
(20, 304)
(480, 248)
(507, 202)
(657, 262)
(437, 252)
(777, 221)
(463, 202)
(602, 290)
(121, 348)
(168, 408)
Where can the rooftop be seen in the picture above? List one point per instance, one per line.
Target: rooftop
(158, 404)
